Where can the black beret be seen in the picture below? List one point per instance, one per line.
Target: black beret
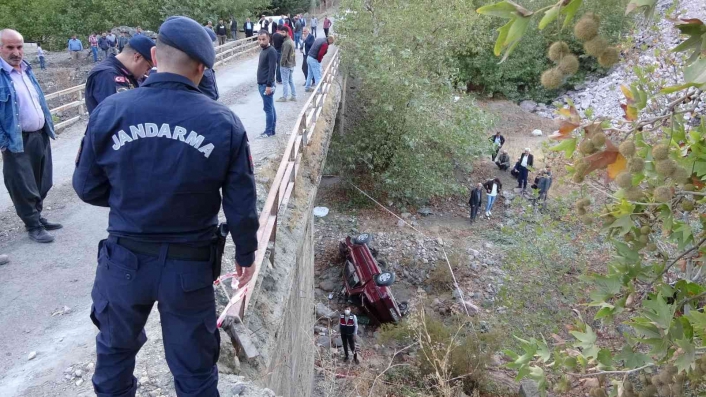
(143, 45)
(189, 36)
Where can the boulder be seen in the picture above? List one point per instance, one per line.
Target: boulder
(508, 195)
(324, 341)
(324, 312)
(537, 133)
(528, 388)
(528, 106)
(425, 211)
(327, 285)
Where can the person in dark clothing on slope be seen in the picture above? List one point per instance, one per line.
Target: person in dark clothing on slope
(498, 142)
(525, 163)
(476, 201)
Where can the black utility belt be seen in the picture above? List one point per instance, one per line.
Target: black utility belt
(174, 251)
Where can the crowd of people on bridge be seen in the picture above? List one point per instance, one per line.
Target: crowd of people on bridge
(104, 44)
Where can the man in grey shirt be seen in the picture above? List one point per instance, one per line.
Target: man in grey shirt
(24, 137)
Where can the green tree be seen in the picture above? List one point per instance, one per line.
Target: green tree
(410, 131)
(53, 22)
(655, 163)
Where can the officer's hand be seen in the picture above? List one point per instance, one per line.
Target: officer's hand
(268, 91)
(244, 274)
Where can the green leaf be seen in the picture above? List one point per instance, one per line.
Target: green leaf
(502, 9)
(659, 312)
(685, 360)
(624, 223)
(549, 16)
(605, 359)
(698, 322)
(586, 341)
(570, 363)
(696, 72)
(644, 328)
(570, 11)
(568, 146)
(649, 6)
(500, 42)
(606, 287)
(517, 29)
(543, 351)
(631, 358)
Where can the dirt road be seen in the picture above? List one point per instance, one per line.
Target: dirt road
(45, 289)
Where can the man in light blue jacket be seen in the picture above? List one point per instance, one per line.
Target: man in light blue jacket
(25, 128)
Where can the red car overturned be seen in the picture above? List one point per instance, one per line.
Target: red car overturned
(365, 284)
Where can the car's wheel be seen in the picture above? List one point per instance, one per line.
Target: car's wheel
(382, 264)
(404, 307)
(374, 252)
(385, 279)
(363, 238)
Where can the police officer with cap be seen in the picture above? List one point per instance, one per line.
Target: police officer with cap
(119, 73)
(208, 83)
(159, 157)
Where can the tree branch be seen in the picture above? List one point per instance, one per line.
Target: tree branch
(599, 373)
(666, 269)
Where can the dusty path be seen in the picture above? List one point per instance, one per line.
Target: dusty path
(45, 290)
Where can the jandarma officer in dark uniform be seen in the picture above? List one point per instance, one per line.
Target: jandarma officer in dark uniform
(208, 83)
(119, 73)
(159, 156)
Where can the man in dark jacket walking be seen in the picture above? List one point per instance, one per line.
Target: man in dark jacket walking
(476, 201)
(266, 81)
(523, 164)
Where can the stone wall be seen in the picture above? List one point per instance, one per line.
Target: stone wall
(281, 315)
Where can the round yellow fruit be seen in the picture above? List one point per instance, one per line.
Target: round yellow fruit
(552, 79)
(595, 46)
(569, 65)
(558, 50)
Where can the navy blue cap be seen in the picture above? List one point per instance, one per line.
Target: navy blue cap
(211, 33)
(143, 45)
(185, 34)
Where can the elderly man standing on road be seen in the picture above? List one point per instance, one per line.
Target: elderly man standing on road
(25, 129)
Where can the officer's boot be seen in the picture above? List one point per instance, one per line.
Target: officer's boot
(345, 359)
(355, 358)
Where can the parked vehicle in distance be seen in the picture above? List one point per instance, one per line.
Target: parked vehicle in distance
(366, 285)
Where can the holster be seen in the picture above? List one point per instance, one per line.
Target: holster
(219, 247)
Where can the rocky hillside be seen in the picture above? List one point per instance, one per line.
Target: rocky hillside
(648, 45)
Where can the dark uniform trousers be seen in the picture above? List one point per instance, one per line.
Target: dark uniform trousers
(28, 176)
(127, 285)
(348, 342)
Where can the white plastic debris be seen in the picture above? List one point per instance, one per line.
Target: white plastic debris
(320, 212)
